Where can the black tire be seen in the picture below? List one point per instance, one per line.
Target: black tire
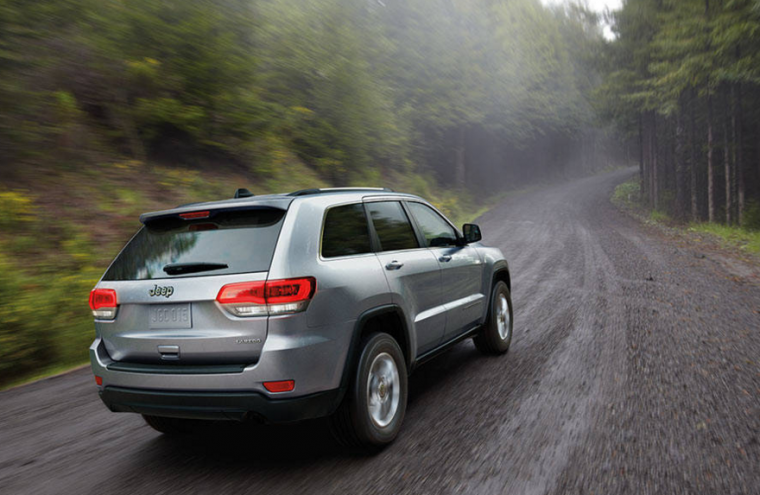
(174, 426)
(352, 424)
(489, 341)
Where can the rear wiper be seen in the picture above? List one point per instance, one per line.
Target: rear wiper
(183, 268)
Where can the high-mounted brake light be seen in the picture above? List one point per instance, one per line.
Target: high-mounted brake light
(273, 297)
(195, 214)
(103, 304)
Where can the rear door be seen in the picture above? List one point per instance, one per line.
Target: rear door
(167, 279)
(461, 269)
(411, 270)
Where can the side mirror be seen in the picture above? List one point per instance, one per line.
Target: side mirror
(471, 233)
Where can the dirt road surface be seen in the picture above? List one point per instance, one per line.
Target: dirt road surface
(635, 368)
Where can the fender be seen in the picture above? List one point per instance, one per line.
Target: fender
(353, 351)
(498, 267)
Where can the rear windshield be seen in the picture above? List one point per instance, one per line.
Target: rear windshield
(243, 240)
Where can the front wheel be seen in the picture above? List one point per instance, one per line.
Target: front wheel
(373, 409)
(496, 335)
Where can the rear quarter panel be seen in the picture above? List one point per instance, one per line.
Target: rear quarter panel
(346, 286)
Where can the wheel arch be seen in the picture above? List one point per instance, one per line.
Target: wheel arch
(501, 273)
(388, 318)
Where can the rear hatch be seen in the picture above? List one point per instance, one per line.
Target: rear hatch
(167, 279)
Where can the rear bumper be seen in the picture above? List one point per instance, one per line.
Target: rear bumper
(315, 361)
(220, 405)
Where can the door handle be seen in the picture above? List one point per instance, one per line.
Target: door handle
(394, 265)
(445, 258)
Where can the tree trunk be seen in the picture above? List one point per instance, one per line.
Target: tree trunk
(728, 174)
(736, 123)
(710, 165)
(679, 159)
(461, 171)
(693, 163)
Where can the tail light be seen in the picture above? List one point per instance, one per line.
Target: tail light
(103, 304)
(273, 297)
(281, 386)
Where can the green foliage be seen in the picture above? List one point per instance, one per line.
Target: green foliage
(747, 240)
(627, 193)
(17, 210)
(42, 316)
(658, 216)
(682, 77)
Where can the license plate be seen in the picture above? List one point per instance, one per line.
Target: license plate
(170, 316)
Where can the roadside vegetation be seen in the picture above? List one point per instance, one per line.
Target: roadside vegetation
(747, 239)
(744, 239)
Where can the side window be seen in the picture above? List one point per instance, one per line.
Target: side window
(345, 232)
(392, 226)
(437, 231)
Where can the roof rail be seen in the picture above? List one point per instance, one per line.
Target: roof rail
(308, 192)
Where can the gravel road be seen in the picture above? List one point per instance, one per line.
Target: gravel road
(635, 368)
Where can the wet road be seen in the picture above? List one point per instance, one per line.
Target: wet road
(635, 368)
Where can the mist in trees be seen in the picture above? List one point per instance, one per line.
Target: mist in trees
(477, 94)
(681, 80)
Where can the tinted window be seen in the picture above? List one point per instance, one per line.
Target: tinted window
(345, 232)
(436, 230)
(242, 240)
(392, 226)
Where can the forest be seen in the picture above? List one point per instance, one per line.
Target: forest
(358, 90)
(681, 78)
(110, 108)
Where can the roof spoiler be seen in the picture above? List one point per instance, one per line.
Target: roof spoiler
(308, 192)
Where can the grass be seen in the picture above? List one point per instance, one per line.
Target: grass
(627, 195)
(746, 240)
(658, 216)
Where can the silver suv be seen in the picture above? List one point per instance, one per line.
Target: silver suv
(286, 307)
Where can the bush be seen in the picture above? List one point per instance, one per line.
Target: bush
(627, 193)
(44, 318)
(17, 210)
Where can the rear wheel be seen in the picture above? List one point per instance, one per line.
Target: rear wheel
(373, 409)
(496, 335)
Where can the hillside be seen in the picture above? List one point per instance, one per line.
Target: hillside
(62, 226)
